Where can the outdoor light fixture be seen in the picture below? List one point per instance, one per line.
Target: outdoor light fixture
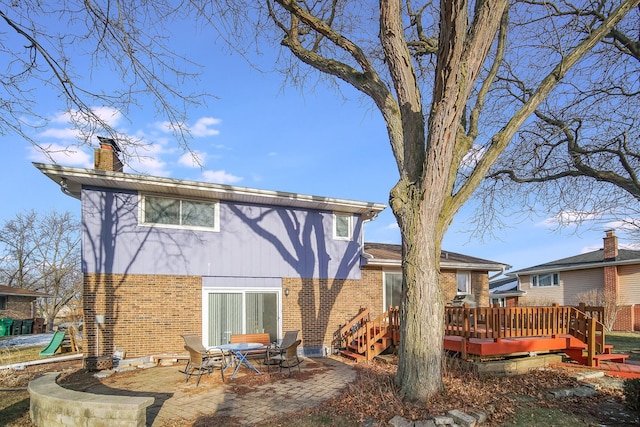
(286, 292)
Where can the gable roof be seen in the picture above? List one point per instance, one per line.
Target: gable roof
(386, 254)
(71, 181)
(593, 259)
(9, 290)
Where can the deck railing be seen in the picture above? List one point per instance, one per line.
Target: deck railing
(520, 322)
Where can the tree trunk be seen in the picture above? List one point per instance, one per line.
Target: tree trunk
(422, 312)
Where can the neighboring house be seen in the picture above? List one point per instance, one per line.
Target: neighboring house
(19, 303)
(164, 257)
(505, 292)
(613, 272)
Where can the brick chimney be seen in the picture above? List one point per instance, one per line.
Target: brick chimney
(610, 245)
(106, 157)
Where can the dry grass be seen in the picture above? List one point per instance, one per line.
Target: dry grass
(11, 355)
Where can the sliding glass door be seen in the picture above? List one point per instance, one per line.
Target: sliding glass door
(241, 312)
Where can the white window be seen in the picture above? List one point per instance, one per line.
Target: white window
(550, 279)
(342, 226)
(230, 312)
(392, 290)
(179, 213)
(464, 282)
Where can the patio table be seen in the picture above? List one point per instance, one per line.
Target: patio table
(240, 351)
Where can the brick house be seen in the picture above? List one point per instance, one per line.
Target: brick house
(19, 303)
(164, 257)
(612, 272)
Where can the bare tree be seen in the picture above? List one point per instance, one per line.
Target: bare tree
(432, 71)
(42, 253)
(58, 45)
(579, 156)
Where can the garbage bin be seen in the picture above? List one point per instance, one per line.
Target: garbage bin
(39, 326)
(27, 326)
(5, 326)
(16, 327)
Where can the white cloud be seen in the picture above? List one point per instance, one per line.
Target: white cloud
(392, 226)
(471, 159)
(59, 133)
(60, 154)
(202, 127)
(566, 218)
(149, 165)
(193, 159)
(220, 177)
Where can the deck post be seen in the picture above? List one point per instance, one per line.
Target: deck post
(591, 341)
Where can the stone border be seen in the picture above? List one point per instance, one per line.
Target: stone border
(53, 405)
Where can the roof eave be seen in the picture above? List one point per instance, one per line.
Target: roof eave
(448, 265)
(75, 178)
(543, 270)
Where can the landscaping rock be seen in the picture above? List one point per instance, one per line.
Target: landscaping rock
(443, 421)
(480, 416)
(424, 423)
(461, 418)
(399, 421)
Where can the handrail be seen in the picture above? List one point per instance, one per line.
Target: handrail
(512, 322)
(506, 322)
(347, 331)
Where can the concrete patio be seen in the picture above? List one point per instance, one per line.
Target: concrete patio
(246, 400)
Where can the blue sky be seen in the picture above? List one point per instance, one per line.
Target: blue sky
(258, 133)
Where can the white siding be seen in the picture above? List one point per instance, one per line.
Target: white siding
(629, 284)
(572, 284)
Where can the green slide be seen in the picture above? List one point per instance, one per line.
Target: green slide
(55, 342)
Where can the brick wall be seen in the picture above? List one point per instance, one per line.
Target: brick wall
(636, 317)
(479, 286)
(317, 307)
(624, 318)
(18, 307)
(144, 314)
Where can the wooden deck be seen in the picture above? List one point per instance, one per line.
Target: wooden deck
(492, 332)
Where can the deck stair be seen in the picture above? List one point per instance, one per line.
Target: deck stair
(363, 338)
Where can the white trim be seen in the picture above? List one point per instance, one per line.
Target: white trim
(141, 213)
(205, 307)
(467, 275)
(385, 304)
(349, 218)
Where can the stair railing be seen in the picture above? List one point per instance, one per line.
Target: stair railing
(347, 332)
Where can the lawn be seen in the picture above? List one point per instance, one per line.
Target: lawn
(625, 342)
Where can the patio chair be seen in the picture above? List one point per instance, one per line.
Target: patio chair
(200, 363)
(277, 349)
(288, 358)
(194, 341)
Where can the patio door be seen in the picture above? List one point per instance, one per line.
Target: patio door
(241, 312)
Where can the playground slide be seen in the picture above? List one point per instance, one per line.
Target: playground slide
(54, 344)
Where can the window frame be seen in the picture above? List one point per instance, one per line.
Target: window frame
(4, 302)
(385, 283)
(535, 280)
(142, 213)
(467, 275)
(349, 218)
